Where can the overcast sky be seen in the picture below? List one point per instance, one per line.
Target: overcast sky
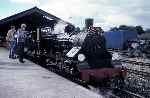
(106, 13)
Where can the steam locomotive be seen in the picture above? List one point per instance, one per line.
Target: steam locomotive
(82, 55)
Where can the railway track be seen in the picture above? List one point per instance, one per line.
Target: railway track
(138, 68)
(117, 93)
(140, 63)
(138, 76)
(127, 94)
(145, 75)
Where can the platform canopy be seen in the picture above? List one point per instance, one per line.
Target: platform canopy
(33, 18)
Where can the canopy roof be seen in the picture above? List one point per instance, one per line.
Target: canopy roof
(33, 18)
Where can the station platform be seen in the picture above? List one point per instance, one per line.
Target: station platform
(29, 80)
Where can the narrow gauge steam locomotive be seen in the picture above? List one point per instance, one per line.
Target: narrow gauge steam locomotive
(83, 55)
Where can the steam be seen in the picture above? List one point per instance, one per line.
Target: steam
(116, 56)
(59, 28)
(79, 38)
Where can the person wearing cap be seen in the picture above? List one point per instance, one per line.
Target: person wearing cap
(10, 38)
(21, 36)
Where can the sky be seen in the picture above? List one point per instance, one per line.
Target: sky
(106, 13)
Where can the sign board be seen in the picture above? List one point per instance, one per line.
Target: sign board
(73, 52)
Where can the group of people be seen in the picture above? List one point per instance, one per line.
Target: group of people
(16, 40)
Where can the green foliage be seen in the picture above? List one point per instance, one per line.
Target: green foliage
(139, 29)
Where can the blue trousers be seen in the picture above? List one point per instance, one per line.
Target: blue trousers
(13, 47)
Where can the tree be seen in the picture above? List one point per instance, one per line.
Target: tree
(114, 29)
(147, 30)
(139, 29)
(125, 27)
(69, 28)
(77, 29)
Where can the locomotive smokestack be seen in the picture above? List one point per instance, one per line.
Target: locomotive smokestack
(88, 22)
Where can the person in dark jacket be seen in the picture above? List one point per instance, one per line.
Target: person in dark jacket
(21, 36)
(94, 48)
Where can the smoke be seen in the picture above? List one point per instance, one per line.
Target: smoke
(59, 28)
(116, 56)
(79, 38)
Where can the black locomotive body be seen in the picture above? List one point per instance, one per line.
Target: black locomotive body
(85, 56)
(95, 63)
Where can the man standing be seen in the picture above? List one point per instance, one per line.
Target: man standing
(21, 36)
(11, 41)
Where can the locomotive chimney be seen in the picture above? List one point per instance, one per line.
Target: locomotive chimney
(88, 22)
